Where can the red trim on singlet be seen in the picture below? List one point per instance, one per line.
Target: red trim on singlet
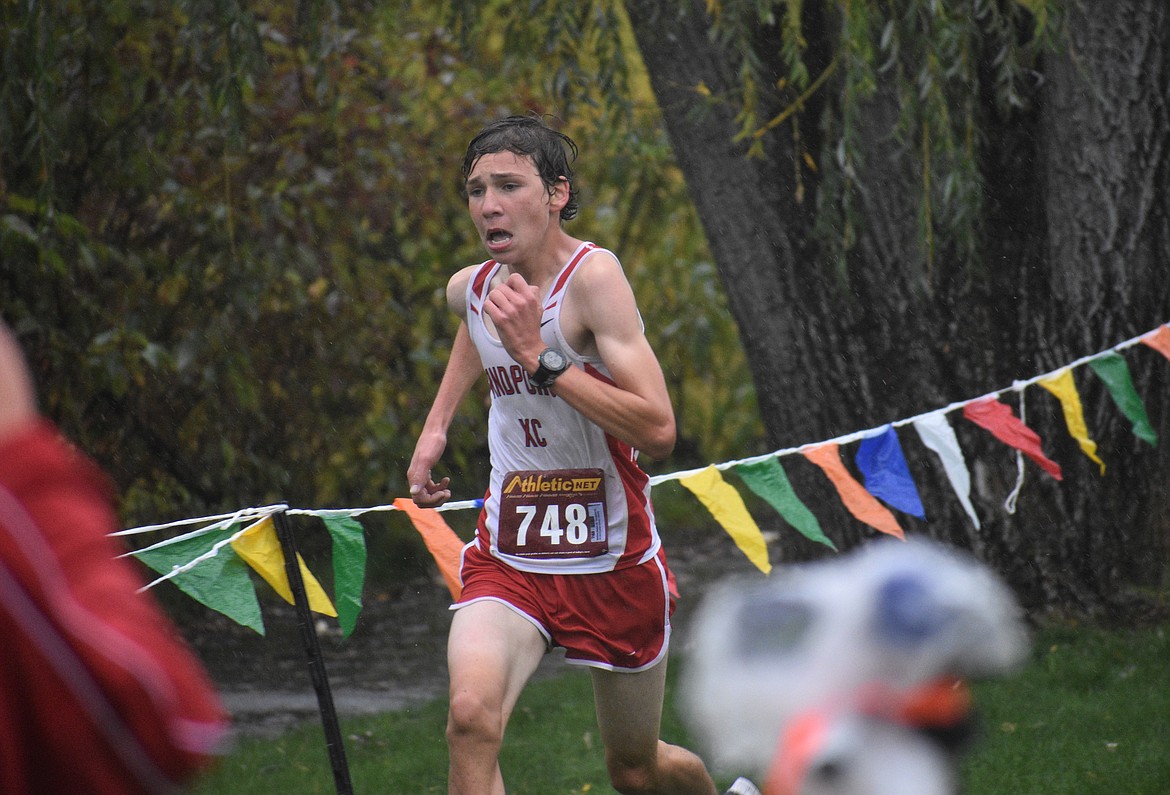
(618, 449)
(639, 511)
(477, 285)
(600, 376)
(625, 457)
(480, 277)
(566, 273)
(634, 480)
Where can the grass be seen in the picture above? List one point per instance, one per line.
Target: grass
(1090, 714)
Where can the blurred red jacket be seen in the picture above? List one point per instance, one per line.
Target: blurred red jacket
(98, 693)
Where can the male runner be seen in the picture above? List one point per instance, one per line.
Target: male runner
(566, 551)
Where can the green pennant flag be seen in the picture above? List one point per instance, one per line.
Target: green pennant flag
(1112, 369)
(349, 568)
(221, 582)
(768, 480)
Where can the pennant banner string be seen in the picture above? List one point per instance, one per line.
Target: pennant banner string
(245, 514)
(1017, 386)
(1151, 338)
(224, 518)
(211, 553)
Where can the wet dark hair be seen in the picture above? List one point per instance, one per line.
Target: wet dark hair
(552, 152)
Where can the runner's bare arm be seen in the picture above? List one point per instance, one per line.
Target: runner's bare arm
(463, 368)
(636, 408)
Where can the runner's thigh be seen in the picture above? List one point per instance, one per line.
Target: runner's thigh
(493, 650)
(629, 709)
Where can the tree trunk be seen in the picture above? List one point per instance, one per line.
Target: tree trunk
(1073, 261)
(743, 204)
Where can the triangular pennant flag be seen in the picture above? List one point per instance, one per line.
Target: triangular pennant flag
(349, 568)
(723, 501)
(220, 582)
(768, 480)
(442, 542)
(998, 419)
(1113, 370)
(863, 505)
(937, 434)
(260, 548)
(1159, 340)
(887, 475)
(1065, 388)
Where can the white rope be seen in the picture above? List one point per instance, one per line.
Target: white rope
(1017, 386)
(211, 553)
(1010, 503)
(226, 519)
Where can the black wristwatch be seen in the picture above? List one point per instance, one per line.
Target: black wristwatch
(550, 364)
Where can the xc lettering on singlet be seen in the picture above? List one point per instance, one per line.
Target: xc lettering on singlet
(553, 514)
(532, 437)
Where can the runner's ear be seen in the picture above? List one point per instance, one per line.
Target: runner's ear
(558, 194)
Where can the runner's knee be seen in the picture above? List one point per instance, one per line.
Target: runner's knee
(631, 779)
(471, 717)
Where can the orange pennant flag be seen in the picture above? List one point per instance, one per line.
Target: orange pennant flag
(1159, 340)
(445, 547)
(863, 505)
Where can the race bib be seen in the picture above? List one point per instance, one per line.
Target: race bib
(553, 514)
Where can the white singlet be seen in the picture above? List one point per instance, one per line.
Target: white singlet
(565, 497)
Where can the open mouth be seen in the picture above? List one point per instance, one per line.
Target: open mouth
(498, 237)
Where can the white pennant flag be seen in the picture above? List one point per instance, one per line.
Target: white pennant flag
(937, 434)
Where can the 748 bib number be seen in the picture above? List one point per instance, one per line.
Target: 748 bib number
(553, 514)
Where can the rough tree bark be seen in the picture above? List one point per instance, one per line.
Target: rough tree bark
(1075, 258)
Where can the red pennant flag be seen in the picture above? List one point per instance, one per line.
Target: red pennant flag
(445, 547)
(861, 503)
(1159, 340)
(998, 418)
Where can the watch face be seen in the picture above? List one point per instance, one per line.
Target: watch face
(554, 360)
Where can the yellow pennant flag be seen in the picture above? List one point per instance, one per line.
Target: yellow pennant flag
(723, 501)
(260, 548)
(1064, 387)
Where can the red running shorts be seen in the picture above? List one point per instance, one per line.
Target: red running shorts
(618, 620)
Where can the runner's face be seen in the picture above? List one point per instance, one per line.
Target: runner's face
(510, 206)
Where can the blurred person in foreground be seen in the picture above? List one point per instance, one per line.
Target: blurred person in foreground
(98, 693)
(849, 676)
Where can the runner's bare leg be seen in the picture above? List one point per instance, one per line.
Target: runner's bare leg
(491, 653)
(629, 715)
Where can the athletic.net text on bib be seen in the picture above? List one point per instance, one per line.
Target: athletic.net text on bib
(553, 514)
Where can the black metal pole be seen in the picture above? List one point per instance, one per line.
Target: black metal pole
(333, 741)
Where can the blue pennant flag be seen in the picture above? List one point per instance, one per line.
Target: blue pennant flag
(886, 474)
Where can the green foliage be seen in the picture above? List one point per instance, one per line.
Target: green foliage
(223, 275)
(226, 229)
